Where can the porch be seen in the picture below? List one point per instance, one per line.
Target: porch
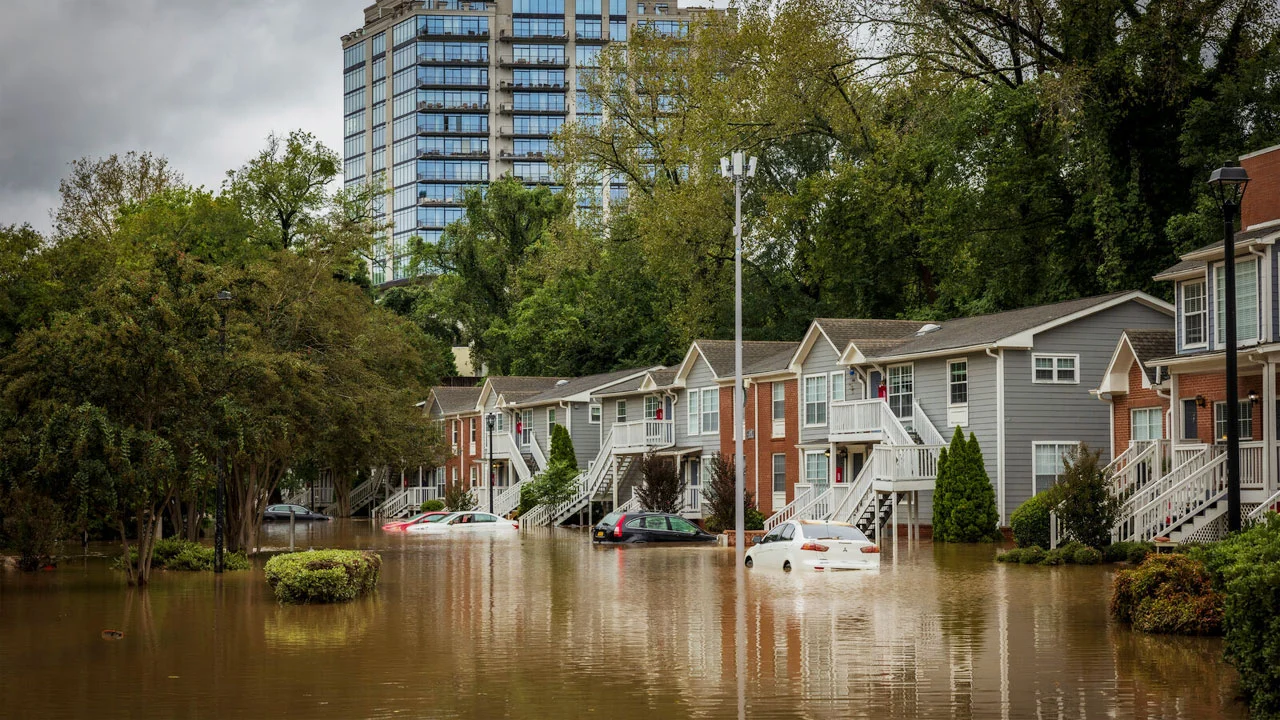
(643, 436)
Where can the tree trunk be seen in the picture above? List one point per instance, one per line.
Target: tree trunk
(195, 519)
(342, 492)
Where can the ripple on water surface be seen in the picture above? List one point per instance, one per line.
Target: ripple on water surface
(545, 626)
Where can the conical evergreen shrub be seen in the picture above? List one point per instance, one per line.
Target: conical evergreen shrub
(964, 503)
(562, 448)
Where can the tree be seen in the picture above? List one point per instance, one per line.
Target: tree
(562, 447)
(721, 498)
(33, 525)
(557, 484)
(964, 503)
(458, 498)
(661, 488)
(1085, 507)
(96, 191)
(282, 190)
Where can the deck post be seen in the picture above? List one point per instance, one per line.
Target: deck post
(893, 515)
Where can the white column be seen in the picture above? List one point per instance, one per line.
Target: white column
(1269, 426)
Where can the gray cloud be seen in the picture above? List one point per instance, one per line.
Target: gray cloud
(202, 83)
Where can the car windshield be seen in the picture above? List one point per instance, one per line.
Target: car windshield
(611, 519)
(833, 532)
(416, 518)
(435, 518)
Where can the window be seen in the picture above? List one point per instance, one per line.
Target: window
(1246, 303)
(779, 472)
(958, 381)
(617, 30)
(815, 400)
(815, 467)
(500, 422)
(526, 427)
(1193, 313)
(1190, 429)
(837, 387)
(779, 401)
(538, 7)
(901, 392)
(710, 411)
(593, 413)
(472, 431)
(1055, 369)
(455, 431)
(655, 522)
(587, 29)
(1220, 420)
(620, 413)
(639, 8)
(587, 7)
(551, 420)
(680, 525)
(1048, 463)
(695, 412)
(651, 405)
(1145, 424)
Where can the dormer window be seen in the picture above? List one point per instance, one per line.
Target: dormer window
(1194, 313)
(1246, 303)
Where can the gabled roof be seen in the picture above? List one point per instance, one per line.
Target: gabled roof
(1135, 346)
(1151, 344)
(455, 400)
(719, 355)
(1014, 328)
(1198, 259)
(657, 378)
(579, 386)
(840, 333)
(777, 362)
(513, 388)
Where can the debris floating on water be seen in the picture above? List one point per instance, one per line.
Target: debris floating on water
(112, 634)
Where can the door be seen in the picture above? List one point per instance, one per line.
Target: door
(693, 499)
(901, 392)
(656, 528)
(681, 529)
(857, 459)
(526, 427)
(769, 545)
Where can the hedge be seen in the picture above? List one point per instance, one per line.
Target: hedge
(964, 503)
(187, 556)
(1030, 522)
(1168, 594)
(321, 576)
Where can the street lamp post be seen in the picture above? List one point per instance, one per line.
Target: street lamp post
(1228, 183)
(738, 167)
(220, 498)
(488, 423)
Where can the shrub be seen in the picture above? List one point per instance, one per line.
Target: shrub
(1055, 557)
(1168, 594)
(1032, 555)
(186, 556)
(661, 488)
(34, 526)
(562, 448)
(1133, 552)
(1030, 522)
(458, 498)
(432, 506)
(1086, 508)
(1246, 566)
(964, 503)
(322, 576)
(721, 498)
(1087, 556)
(1010, 556)
(754, 519)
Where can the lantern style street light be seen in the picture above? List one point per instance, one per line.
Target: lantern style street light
(489, 421)
(738, 167)
(1228, 183)
(220, 498)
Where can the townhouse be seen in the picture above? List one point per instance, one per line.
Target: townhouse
(1168, 400)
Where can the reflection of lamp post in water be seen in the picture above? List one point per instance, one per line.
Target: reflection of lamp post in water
(220, 499)
(488, 423)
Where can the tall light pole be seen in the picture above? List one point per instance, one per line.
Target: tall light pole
(738, 167)
(488, 423)
(1228, 183)
(220, 497)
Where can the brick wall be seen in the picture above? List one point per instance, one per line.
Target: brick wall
(758, 473)
(1262, 197)
(1212, 387)
(1137, 397)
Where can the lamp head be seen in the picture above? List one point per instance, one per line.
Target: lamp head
(1253, 396)
(1228, 183)
(751, 167)
(737, 163)
(489, 421)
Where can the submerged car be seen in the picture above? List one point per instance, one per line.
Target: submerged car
(814, 544)
(403, 525)
(647, 527)
(465, 523)
(281, 513)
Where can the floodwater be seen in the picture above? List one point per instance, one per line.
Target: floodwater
(545, 626)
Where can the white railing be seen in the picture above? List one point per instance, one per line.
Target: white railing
(505, 445)
(1183, 453)
(905, 462)
(508, 499)
(844, 509)
(644, 435)
(586, 485)
(1251, 475)
(1120, 461)
(535, 449)
(361, 495)
(819, 507)
(631, 505)
(1182, 501)
(693, 499)
(802, 499)
(394, 506)
(1271, 504)
(536, 517)
(1142, 491)
(1140, 465)
(929, 434)
(312, 496)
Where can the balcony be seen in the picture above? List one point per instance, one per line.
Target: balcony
(538, 179)
(429, 85)
(425, 60)
(863, 421)
(509, 132)
(440, 155)
(540, 87)
(461, 107)
(590, 39)
(450, 35)
(556, 62)
(510, 156)
(643, 436)
(506, 35)
(510, 109)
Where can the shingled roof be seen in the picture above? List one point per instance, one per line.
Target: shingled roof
(779, 360)
(842, 331)
(582, 384)
(989, 329)
(456, 399)
(1243, 239)
(1149, 345)
(719, 354)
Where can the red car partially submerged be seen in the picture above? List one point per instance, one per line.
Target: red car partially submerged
(403, 525)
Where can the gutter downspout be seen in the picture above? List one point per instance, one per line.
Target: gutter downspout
(999, 357)
(755, 446)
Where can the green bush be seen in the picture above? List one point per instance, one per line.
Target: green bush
(33, 526)
(323, 576)
(432, 506)
(458, 497)
(186, 556)
(754, 519)
(1010, 556)
(1030, 522)
(1087, 556)
(1085, 507)
(964, 503)
(719, 502)
(1246, 567)
(1033, 555)
(1168, 594)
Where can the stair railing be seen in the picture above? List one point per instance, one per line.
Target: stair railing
(535, 449)
(802, 499)
(509, 498)
(1271, 504)
(1183, 501)
(843, 511)
(929, 434)
(517, 458)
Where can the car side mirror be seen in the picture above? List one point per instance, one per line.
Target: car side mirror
(758, 540)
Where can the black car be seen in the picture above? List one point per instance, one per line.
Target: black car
(280, 513)
(642, 527)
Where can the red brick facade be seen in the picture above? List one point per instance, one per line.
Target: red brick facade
(1262, 197)
(1211, 386)
(463, 460)
(760, 446)
(1137, 397)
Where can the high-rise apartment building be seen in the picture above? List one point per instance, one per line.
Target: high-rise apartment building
(440, 95)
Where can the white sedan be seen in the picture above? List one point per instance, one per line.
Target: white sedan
(816, 544)
(466, 522)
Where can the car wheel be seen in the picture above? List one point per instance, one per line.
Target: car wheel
(786, 566)
(748, 562)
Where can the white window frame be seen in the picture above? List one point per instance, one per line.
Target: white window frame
(619, 411)
(820, 403)
(500, 422)
(594, 413)
(1245, 420)
(651, 408)
(526, 428)
(1068, 444)
(551, 420)
(837, 380)
(907, 408)
(694, 411)
(1203, 312)
(824, 463)
(778, 409)
(1146, 424)
(1056, 357)
(712, 394)
(1219, 304)
(775, 474)
(457, 430)
(957, 412)
(471, 431)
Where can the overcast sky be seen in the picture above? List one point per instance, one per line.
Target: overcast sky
(202, 83)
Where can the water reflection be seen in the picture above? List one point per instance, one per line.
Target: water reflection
(545, 626)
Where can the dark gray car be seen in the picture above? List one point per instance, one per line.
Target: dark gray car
(280, 513)
(647, 527)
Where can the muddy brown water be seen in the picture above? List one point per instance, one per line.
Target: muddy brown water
(545, 626)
